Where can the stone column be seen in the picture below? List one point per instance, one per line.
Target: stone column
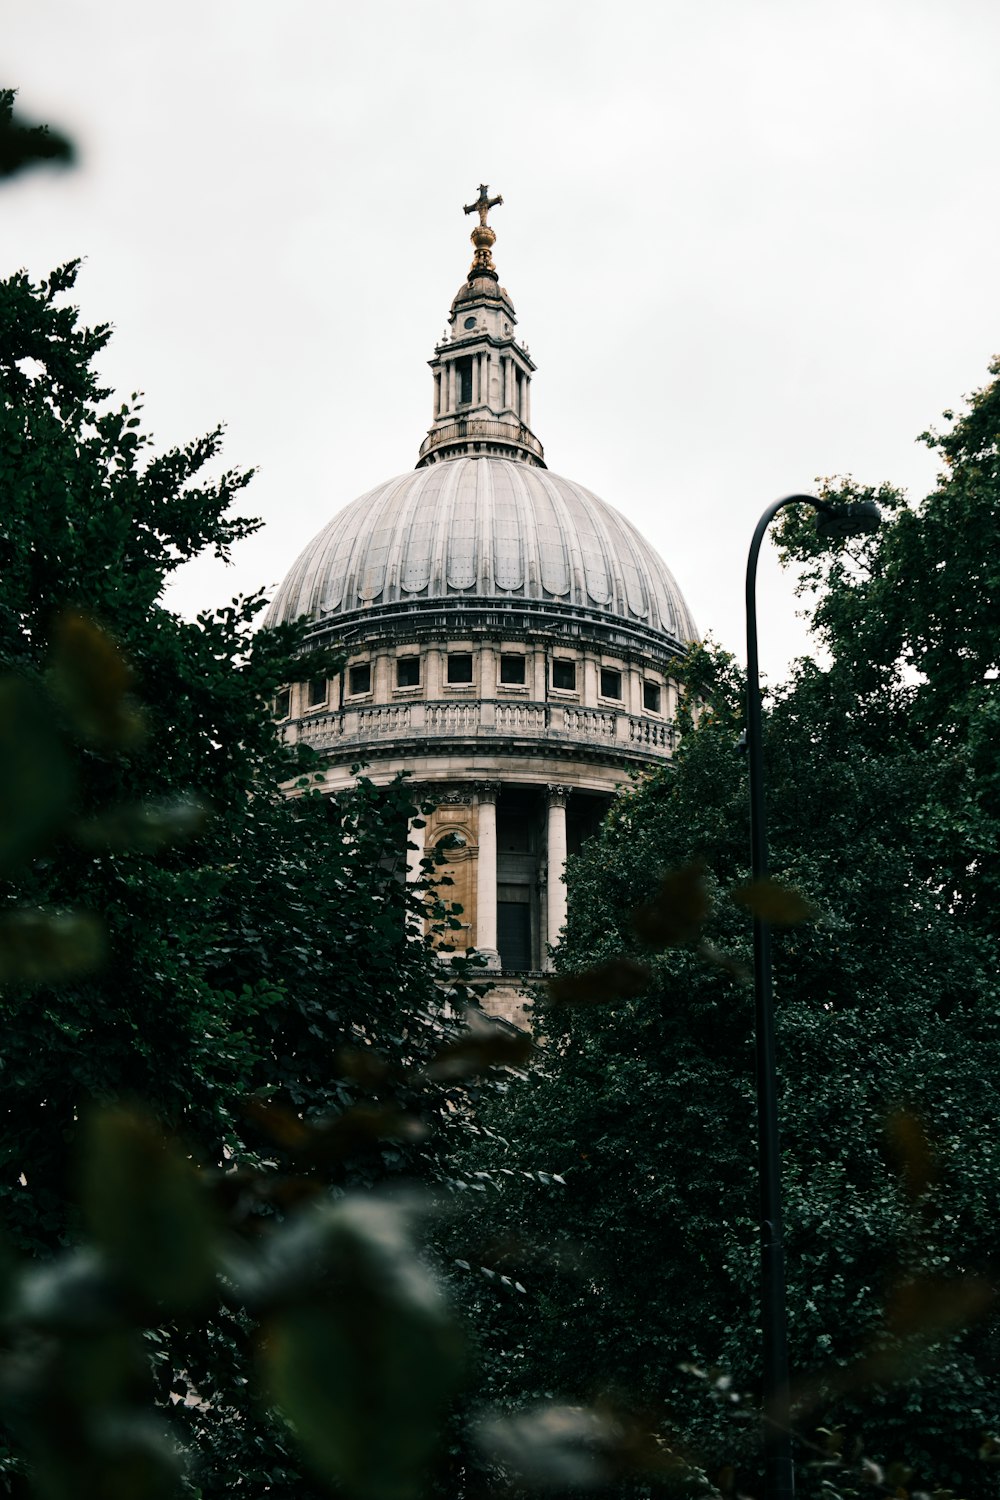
(416, 837)
(475, 380)
(555, 904)
(527, 401)
(486, 874)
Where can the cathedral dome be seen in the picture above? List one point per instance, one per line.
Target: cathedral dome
(477, 530)
(497, 632)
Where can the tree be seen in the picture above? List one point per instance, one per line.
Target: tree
(236, 954)
(883, 813)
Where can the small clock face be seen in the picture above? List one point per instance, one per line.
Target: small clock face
(470, 323)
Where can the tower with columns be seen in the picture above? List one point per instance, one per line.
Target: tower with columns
(508, 640)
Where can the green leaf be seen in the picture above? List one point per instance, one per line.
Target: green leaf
(363, 1355)
(148, 1210)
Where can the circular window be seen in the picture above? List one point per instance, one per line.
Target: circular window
(470, 323)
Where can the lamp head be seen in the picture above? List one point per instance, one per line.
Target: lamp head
(855, 519)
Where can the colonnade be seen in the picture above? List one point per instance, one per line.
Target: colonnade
(487, 792)
(515, 386)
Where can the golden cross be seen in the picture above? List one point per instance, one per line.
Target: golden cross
(483, 203)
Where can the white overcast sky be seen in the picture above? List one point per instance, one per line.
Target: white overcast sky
(750, 242)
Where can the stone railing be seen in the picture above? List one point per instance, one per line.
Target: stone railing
(591, 723)
(467, 429)
(451, 718)
(520, 718)
(485, 719)
(652, 734)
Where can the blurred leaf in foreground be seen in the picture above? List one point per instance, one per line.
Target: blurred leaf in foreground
(331, 1139)
(773, 902)
(23, 146)
(920, 1313)
(479, 1049)
(580, 1447)
(148, 1210)
(92, 680)
(361, 1355)
(45, 947)
(619, 978)
(912, 1151)
(145, 827)
(678, 911)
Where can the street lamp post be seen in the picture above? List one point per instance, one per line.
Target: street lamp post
(834, 520)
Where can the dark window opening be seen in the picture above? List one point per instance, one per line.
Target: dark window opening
(463, 368)
(564, 675)
(283, 704)
(651, 697)
(512, 669)
(316, 692)
(408, 671)
(611, 683)
(514, 934)
(460, 667)
(360, 679)
(513, 831)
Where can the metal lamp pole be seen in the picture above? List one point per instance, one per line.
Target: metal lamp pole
(835, 520)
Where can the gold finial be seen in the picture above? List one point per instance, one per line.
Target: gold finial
(483, 237)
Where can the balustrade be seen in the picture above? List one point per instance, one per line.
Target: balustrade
(591, 723)
(495, 719)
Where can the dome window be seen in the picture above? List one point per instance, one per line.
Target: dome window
(463, 375)
(512, 669)
(359, 679)
(611, 683)
(564, 675)
(408, 671)
(283, 704)
(651, 697)
(316, 692)
(459, 666)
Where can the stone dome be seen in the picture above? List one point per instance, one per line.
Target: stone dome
(484, 530)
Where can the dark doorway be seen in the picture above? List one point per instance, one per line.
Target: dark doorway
(514, 935)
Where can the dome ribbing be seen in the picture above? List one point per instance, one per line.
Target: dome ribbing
(479, 530)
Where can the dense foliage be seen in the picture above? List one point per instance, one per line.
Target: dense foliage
(884, 812)
(225, 944)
